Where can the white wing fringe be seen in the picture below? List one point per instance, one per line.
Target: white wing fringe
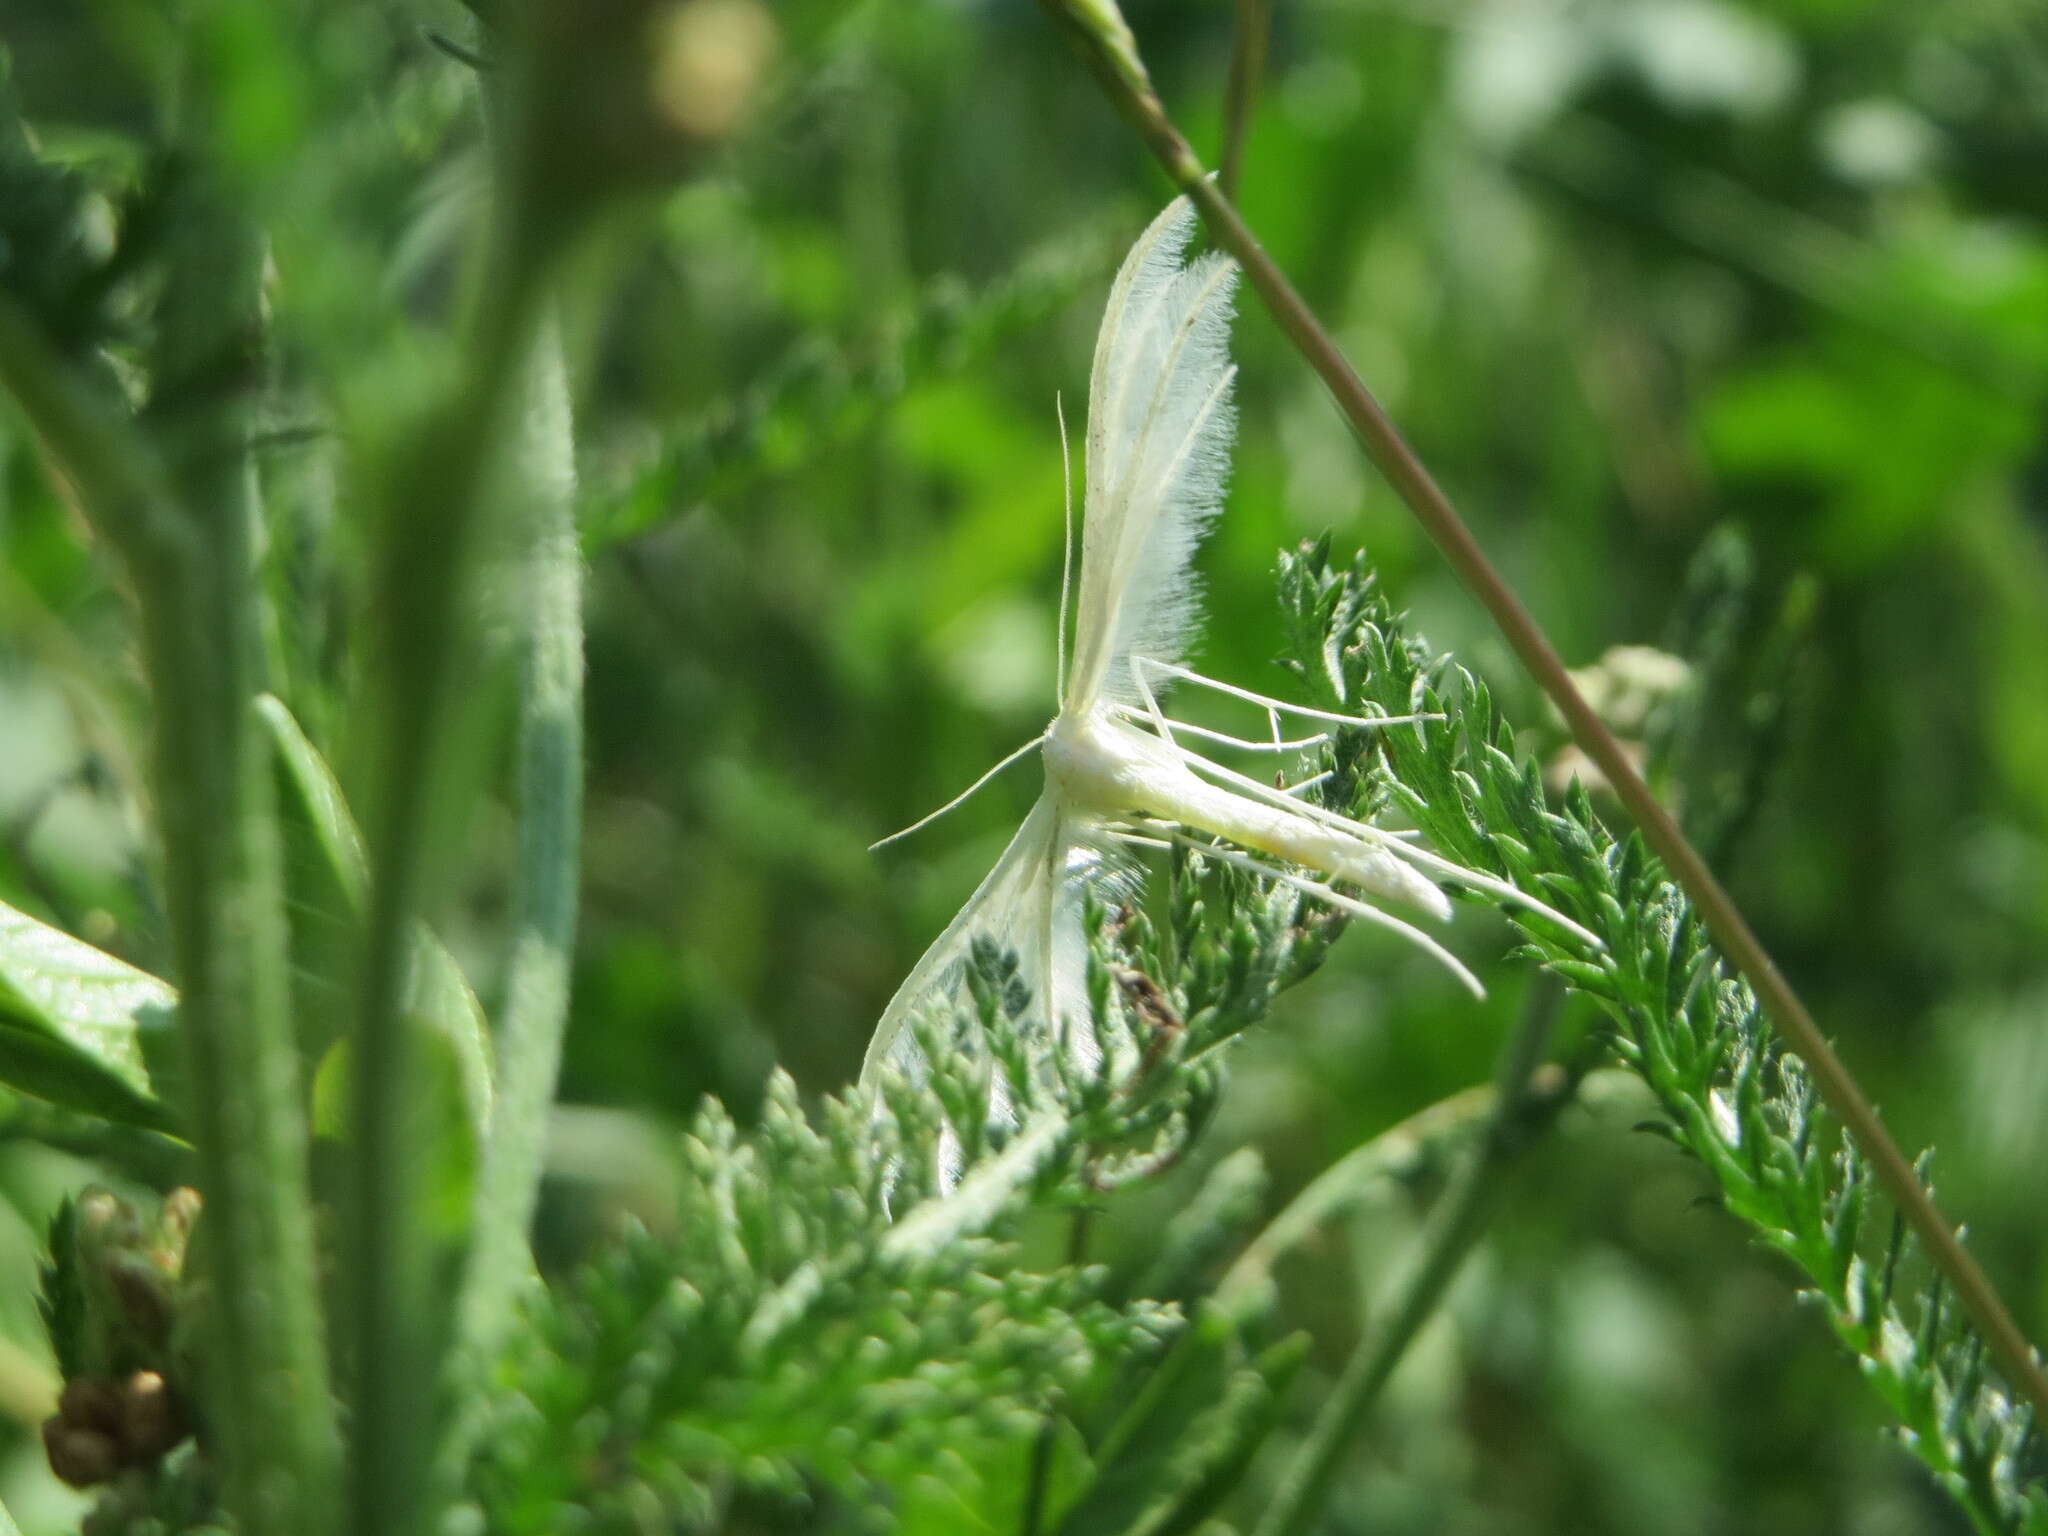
(1160, 425)
(1030, 903)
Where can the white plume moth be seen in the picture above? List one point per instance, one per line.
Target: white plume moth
(1117, 773)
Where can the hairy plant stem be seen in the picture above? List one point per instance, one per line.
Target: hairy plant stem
(245, 1091)
(1523, 1109)
(1247, 65)
(550, 791)
(1107, 45)
(175, 496)
(1039, 1478)
(438, 482)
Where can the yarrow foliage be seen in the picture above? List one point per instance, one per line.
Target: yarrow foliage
(846, 1314)
(783, 1345)
(1732, 1097)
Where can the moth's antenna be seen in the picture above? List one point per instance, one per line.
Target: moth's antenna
(1067, 554)
(961, 798)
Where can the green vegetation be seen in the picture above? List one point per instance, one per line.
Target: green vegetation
(500, 506)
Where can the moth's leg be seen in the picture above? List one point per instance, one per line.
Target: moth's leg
(1276, 745)
(1271, 796)
(1336, 820)
(1295, 789)
(1393, 844)
(1437, 864)
(1152, 710)
(1351, 905)
(1171, 669)
(1166, 727)
(1138, 839)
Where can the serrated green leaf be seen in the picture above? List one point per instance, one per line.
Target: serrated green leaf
(60, 1297)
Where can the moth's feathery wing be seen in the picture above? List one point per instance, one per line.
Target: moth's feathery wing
(1030, 903)
(1160, 421)
(1159, 430)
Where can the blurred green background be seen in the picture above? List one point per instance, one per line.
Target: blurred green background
(1635, 275)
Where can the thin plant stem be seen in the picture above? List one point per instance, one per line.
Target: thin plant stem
(1521, 1111)
(1430, 1135)
(398, 1334)
(175, 498)
(1039, 1480)
(550, 791)
(224, 874)
(540, 491)
(1112, 53)
(1248, 41)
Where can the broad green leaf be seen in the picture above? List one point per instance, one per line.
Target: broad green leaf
(330, 878)
(77, 1026)
(452, 1189)
(314, 801)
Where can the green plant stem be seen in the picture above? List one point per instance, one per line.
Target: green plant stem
(1039, 1479)
(438, 483)
(550, 751)
(1110, 51)
(1247, 65)
(1427, 1139)
(1524, 1107)
(178, 504)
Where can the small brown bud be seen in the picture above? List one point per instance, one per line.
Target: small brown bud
(91, 1402)
(104, 1217)
(81, 1457)
(152, 1421)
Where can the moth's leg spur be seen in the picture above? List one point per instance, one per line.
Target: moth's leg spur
(1368, 722)
(1295, 789)
(1157, 715)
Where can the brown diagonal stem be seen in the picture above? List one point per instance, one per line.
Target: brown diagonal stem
(1107, 45)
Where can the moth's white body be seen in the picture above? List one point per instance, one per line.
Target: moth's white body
(1159, 429)
(1099, 764)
